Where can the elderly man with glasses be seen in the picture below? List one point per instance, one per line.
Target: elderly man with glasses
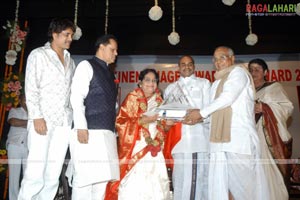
(234, 144)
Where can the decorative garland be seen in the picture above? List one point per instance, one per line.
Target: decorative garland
(298, 9)
(228, 2)
(17, 38)
(252, 38)
(155, 13)
(16, 15)
(78, 32)
(106, 16)
(174, 37)
(12, 85)
(153, 144)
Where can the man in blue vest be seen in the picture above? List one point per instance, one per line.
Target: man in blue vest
(93, 144)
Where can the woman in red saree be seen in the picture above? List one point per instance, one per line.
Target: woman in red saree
(143, 173)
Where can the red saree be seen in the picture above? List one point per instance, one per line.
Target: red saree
(129, 131)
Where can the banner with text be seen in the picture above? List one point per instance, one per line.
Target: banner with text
(284, 68)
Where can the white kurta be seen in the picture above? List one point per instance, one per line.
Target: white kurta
(194, 138)
(148, 179)
(237, 93)
(17, 135)
(232, 164)
(17, 151)
(96, 161)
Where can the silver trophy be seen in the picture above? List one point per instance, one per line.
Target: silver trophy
(175, 104)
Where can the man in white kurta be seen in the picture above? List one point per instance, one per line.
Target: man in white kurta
(93, 144)
(232, 167)
(16, 145)
(193, 144)
(48, 78)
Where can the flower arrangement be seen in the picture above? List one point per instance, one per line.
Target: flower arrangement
(17, 38)
(3, 158)
(12, 88)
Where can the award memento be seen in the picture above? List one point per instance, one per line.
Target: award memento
(175, 104)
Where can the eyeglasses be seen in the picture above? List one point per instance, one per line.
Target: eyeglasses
(221, 58)
(147, 80)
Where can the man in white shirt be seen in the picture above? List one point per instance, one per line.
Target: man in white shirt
(234, 144)
(93, 144)
(16, 144)
(190, 154)
(49, 72)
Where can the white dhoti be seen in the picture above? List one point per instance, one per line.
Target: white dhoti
(232, 172)
(17, 155)
(182, 176)
(93, 163)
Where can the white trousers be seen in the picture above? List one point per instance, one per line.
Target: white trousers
(44, 163)
(234, 172)
(182, 176)
(17, 155)
(91, 192)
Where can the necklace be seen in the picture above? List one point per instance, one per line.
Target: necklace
(154, 145)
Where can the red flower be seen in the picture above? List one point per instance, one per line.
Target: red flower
(117, 81)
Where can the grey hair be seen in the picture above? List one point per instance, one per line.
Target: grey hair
(230, 51)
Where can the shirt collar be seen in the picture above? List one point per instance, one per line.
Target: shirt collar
(47, 46)
(187, 79)
(100, 61)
